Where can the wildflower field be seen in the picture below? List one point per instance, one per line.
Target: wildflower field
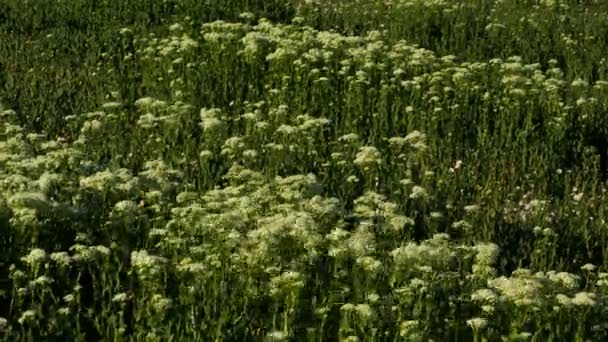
(303, 170)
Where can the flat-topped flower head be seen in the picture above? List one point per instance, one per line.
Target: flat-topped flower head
(27, 317)
(277, 336)
(565, 279)
(477, 324)
(484, 296)
(368, 157)
(487, 253)
(145, 102)
(31, 200)
(3, 324)
(419, 193)
(62, 259)
(584, 299)
(35, 257)
(409, 328)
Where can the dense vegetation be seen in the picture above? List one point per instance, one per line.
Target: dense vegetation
(303, 170)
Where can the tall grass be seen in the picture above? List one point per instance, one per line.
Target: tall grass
(338, 170)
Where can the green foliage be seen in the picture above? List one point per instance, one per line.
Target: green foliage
(377, 170)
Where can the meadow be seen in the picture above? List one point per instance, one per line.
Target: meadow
(303, 170)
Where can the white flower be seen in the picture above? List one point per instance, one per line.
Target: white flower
(186, 265)
(27, 316)
(49, 181)
(277, 336)
(488, 309)
(409, 328)
(287, 130)
(120, 298)
(522, 290)
(361, 243)
(144, 102)
(522, 336)
(589, 267)
(31, 200)
(212, 124)
(418, 193)
(477, 323)
(350, 138)
(145, 263)
(484, 296)
(127, 207)
(36, 256)
(486, 253)
(565, 279)
(111, 105)
(471, 208)
(160, 303)
(436, 215)
(584, 299)
(348, 307)
(176, 27)
(286, 282)
(398, 222)
(205, 154)
(102, 250)
(369, 264)
(367, 157)
(250, 154)
(373, 297)
(564, 300)
(63, 311)
(41, 281)
(415, 137)
(364, 311)
(69, 298)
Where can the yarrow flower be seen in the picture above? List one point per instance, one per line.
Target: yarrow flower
(484, 296)
(160, 303)
(564, 300)
(584, 299)
(369, 264)
(415, 137)
(41, 281)
(409, 328)
(36, 256)
(145, 264)
(63, 311)
(277, 336)
(486, 253)
(286, 283)
(565, 279)
(471, 208)
(144, 102)
(30, 200)
(3, 324)
(69, 298)
(27, 316)
(477, 324)
(522, 290)
(588, 267)
(364, 311)
(126, 207)
(120, 298)
(418, 193)
(368, 157)
(48, 182)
